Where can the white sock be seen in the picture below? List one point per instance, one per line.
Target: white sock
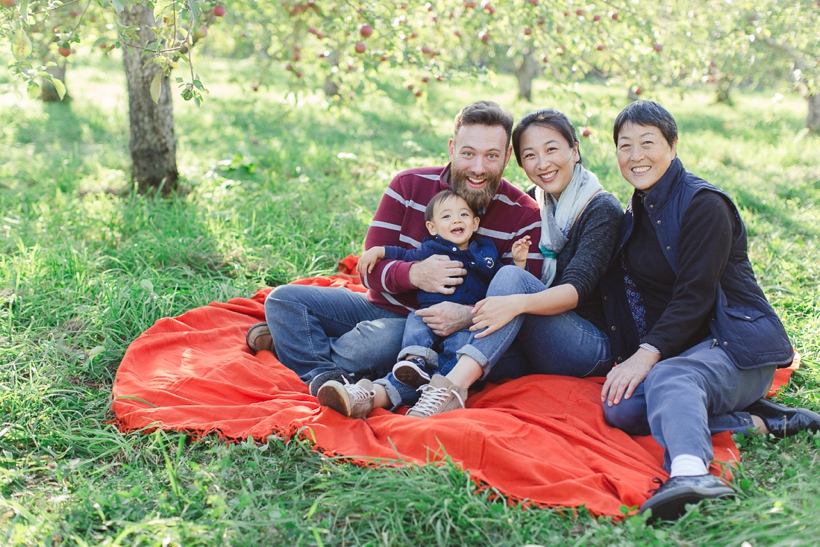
(687, 465)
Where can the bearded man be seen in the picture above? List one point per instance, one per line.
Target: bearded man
(330, 334)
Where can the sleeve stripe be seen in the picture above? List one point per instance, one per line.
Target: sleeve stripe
(396, 302)
(385, 225)
(526, 229)
(503, 198)
(384, 272)
(530, 256)
(411, 241)
(507, 235)
(406, 202)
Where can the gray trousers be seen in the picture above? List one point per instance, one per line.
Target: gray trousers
(686, 399)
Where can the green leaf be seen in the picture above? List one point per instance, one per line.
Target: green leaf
(156, 87)
(59, 86)
(33, 90)
(119, 5)
(195, 9)
(24, 10)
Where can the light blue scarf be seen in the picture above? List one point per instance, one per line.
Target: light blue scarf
(557, 217)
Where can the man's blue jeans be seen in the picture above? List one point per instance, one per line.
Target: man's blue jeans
(563, 344)
(318, 329)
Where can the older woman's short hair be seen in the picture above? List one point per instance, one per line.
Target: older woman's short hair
(647, 113)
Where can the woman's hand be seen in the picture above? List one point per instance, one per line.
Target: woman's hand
(494, 312)
(624, 378)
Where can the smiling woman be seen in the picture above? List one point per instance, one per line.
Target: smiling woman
(696, 341)
(555, 318)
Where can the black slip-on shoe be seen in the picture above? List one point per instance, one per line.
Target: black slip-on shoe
(669, 501)
(783, 421)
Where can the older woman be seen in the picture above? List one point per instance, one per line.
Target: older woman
(696, 341)
(558, 318)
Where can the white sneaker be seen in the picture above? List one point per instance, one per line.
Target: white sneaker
(351, 400)
(440, 395)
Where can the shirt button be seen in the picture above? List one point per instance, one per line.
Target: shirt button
(668, 248)
(606, 298)
(613, 327)
(651, 205)
(725, 343)
(658, 222)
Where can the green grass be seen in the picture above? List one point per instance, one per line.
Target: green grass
(277, 188)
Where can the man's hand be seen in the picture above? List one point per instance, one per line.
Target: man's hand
(623, 379)
(437, 274)
(445, 318)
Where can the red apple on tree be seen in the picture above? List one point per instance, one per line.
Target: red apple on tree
(614, 15)
(64, 51)
(469, 4)
(219, 10)
(360, 47)
(596, 17)
(657, 47)
(527, 31)
(7, 3)
(534, 2)
(586, 133)
(638, 90)
(366, 31)
(483, 36)
(579, 12)
(600, 47)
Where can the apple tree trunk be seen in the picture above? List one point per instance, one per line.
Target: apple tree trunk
(49, 92)
(724, 87)
(526, 70)
(813, 118)
(151, 136)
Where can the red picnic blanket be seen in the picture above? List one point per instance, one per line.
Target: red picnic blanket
(541, 439)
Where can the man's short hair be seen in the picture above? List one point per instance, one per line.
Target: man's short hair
(442, 196)
(484, 113)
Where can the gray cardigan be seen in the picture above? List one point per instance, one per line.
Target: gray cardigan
(586, 255)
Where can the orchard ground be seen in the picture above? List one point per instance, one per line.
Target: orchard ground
(279, 187)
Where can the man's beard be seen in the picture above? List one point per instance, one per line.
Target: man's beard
(476, 198)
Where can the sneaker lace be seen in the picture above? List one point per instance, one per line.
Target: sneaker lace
(657, 481)
(357, 392)
(433, 398)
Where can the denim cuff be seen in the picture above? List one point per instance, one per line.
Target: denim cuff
(392, 393)
(430, 357)
(471, 351)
